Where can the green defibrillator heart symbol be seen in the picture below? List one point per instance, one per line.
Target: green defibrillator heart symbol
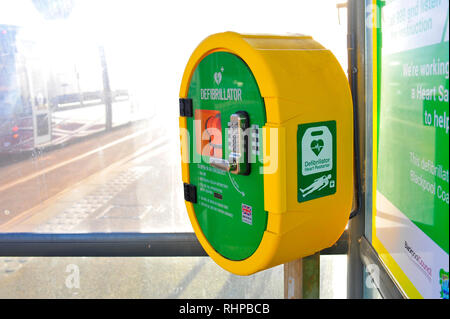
(218, 77)
(317, 146)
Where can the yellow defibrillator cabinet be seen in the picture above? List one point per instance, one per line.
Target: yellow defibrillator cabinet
(266, 127)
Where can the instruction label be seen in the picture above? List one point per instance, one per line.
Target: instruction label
(316, 155)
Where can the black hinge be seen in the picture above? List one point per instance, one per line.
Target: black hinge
(186, 107)
(190, 193)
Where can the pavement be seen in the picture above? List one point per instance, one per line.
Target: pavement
(124, 181)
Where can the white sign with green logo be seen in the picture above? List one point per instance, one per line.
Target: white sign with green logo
(316, 154)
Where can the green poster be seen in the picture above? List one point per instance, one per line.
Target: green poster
(412, 195)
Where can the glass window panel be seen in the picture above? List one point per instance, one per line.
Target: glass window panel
(144, 277)
(151, 277)
(89, 137)
(88, 105)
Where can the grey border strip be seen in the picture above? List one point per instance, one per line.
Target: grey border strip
(386, 285)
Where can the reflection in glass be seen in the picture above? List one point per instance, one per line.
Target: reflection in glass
(89, 138)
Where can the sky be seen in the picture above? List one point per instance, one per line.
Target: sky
(150, 42)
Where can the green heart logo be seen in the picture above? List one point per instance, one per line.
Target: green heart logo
(218, 77)
(317, 146)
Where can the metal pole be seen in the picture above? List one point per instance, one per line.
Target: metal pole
(100, 245)
(115, 245)
(106, 90)
(302, 278)
(356, 74)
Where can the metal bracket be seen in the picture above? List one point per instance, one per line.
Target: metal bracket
(384, 282)
(190, 193)
(186, 108)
